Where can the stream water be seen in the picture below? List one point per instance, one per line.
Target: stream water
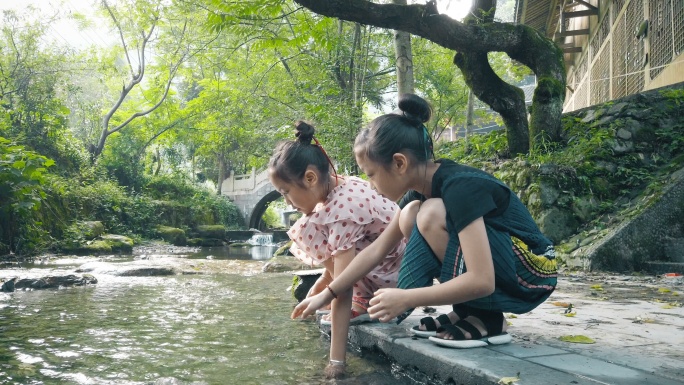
(183, 329)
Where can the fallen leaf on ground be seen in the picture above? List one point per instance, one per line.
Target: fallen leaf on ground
(664, 290)
(597, 287)
(639, 320)
(509, 380)
(577, 339)
(570, 314)
(672, 305)
(560, 304)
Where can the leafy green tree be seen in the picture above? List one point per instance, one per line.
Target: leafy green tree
(303, 66)
(31, 110)
(171, 31)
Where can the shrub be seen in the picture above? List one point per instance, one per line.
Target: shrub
(22, 176)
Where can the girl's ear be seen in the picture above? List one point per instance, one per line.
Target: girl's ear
(310, 177)
(400, 162)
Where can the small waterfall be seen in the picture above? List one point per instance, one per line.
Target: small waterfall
(262, 239)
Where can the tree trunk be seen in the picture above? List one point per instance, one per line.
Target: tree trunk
(469, 118)
(159, 162)
(507, 100)
(221, 172)
(473, 41)
(404, 59)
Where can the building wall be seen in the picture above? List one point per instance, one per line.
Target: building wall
(615, 62)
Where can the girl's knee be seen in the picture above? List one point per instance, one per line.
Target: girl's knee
(432, 215)
(407, 217)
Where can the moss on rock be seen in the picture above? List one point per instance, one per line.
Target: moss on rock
(211, 231)
(96, 247)
(119, 243)
(173, 235)
(92, 229)
(240, 244)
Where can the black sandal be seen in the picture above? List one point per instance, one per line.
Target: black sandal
(443, 319)
(493, 323)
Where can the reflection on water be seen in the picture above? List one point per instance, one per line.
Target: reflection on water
(259, 253)
(215, 329)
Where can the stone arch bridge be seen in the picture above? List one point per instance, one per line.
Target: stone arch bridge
(252, 194)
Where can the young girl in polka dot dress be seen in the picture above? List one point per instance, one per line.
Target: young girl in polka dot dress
(342, 215)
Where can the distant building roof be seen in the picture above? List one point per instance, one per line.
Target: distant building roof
(541, 15)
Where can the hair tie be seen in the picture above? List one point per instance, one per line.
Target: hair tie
(428, 143)
(326, 156)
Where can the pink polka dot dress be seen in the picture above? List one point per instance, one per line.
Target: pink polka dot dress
(353, 216)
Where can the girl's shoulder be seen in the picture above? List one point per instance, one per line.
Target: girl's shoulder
(354, 200)
(448, 168)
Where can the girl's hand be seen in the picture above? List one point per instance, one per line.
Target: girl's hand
(386, 304)
(309, 305)
(318, 286)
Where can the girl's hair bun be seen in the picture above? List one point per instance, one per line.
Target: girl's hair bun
(304, 132)
(415, 108)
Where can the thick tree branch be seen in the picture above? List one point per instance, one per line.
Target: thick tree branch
(172, 75)
(121, 35)
(418, 20)
(507, 100)
(474, 39)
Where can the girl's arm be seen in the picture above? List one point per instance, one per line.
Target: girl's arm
(364, 262)
(341, 309)
(321, 282)
(477, 282)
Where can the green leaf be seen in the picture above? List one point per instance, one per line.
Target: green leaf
(577, 339)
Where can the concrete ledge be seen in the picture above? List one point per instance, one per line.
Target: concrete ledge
(636, 323)
(532, 363)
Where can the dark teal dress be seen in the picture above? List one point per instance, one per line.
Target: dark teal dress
(524, 260)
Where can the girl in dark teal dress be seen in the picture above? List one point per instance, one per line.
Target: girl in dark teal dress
(467, 228)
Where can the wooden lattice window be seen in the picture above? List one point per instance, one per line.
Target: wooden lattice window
(600, 78)
(634, 47)
(678, 26)
(600, 37)
(619, 54)
(660, 35)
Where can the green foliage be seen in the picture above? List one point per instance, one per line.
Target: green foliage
(22, 176)
(491, 146)
(32, 113)
(138, 214)
(272, 219)
(75, 234)
(199, 199)
(221, 209)
(169, 187)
